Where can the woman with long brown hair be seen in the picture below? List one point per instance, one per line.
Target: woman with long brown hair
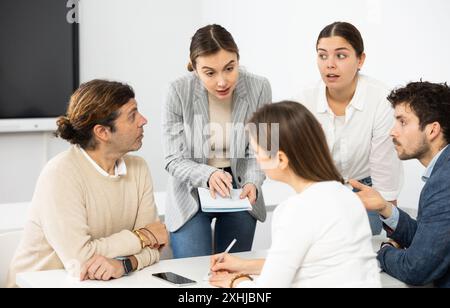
(320, 236)
(205, 146)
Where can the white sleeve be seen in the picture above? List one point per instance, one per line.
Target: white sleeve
(292, 237)
(386, 169)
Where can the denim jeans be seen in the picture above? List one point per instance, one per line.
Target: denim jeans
(195, 237)
(374, 218)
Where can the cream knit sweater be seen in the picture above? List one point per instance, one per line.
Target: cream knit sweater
(77, 213)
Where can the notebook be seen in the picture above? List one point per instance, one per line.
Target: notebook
(223, 205)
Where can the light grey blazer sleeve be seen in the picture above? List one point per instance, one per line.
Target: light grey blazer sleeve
(178, 160)
(185, 143)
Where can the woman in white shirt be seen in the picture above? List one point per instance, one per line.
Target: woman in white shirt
(354, 114)
(320, 236)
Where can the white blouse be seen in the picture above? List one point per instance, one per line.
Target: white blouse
(320, 238)
(363, 146)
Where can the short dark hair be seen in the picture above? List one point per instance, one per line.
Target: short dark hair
(429, 101)
(210, 40)
(96, 102)
(347, 31)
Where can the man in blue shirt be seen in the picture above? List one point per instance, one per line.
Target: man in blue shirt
(419, 251)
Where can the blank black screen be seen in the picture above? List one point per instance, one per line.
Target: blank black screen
(38, 58)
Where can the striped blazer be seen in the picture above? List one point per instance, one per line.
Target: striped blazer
(186, 144)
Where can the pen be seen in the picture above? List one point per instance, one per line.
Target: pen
(225, 252)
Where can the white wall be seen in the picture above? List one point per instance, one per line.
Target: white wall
(145, 43)
(142, 42)
(22, 156)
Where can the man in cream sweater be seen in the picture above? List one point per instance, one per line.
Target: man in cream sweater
(93, 211)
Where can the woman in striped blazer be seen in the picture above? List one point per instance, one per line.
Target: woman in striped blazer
(205, 145)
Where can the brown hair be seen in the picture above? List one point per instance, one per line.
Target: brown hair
(301, 138)
(210, 40)
(347, 31)
(96, 102)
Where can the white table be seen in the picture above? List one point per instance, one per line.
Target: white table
(193, 268)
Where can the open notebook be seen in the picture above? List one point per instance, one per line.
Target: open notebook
(223, 205)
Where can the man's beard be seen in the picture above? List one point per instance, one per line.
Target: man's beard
(422, 149)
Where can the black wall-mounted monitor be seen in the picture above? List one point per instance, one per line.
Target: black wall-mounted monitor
(39, 62)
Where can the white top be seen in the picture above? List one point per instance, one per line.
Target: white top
(320, 238)
(336, 151)
(365, 145)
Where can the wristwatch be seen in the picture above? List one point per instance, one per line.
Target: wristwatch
(127, 266)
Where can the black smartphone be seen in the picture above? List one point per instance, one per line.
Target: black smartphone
(174, 279)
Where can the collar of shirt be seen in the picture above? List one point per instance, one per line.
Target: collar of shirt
(120, 169)
(430, 167)
(356, 103)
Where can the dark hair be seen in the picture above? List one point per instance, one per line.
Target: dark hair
(301, 138)
(96, 102)
(210, 40)
(347, 31)
(429, 101)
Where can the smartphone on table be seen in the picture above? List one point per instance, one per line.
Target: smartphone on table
(174, 279)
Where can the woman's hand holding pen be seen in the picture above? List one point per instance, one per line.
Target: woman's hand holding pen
(225, 267)
(220, 182)
(225, 262)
